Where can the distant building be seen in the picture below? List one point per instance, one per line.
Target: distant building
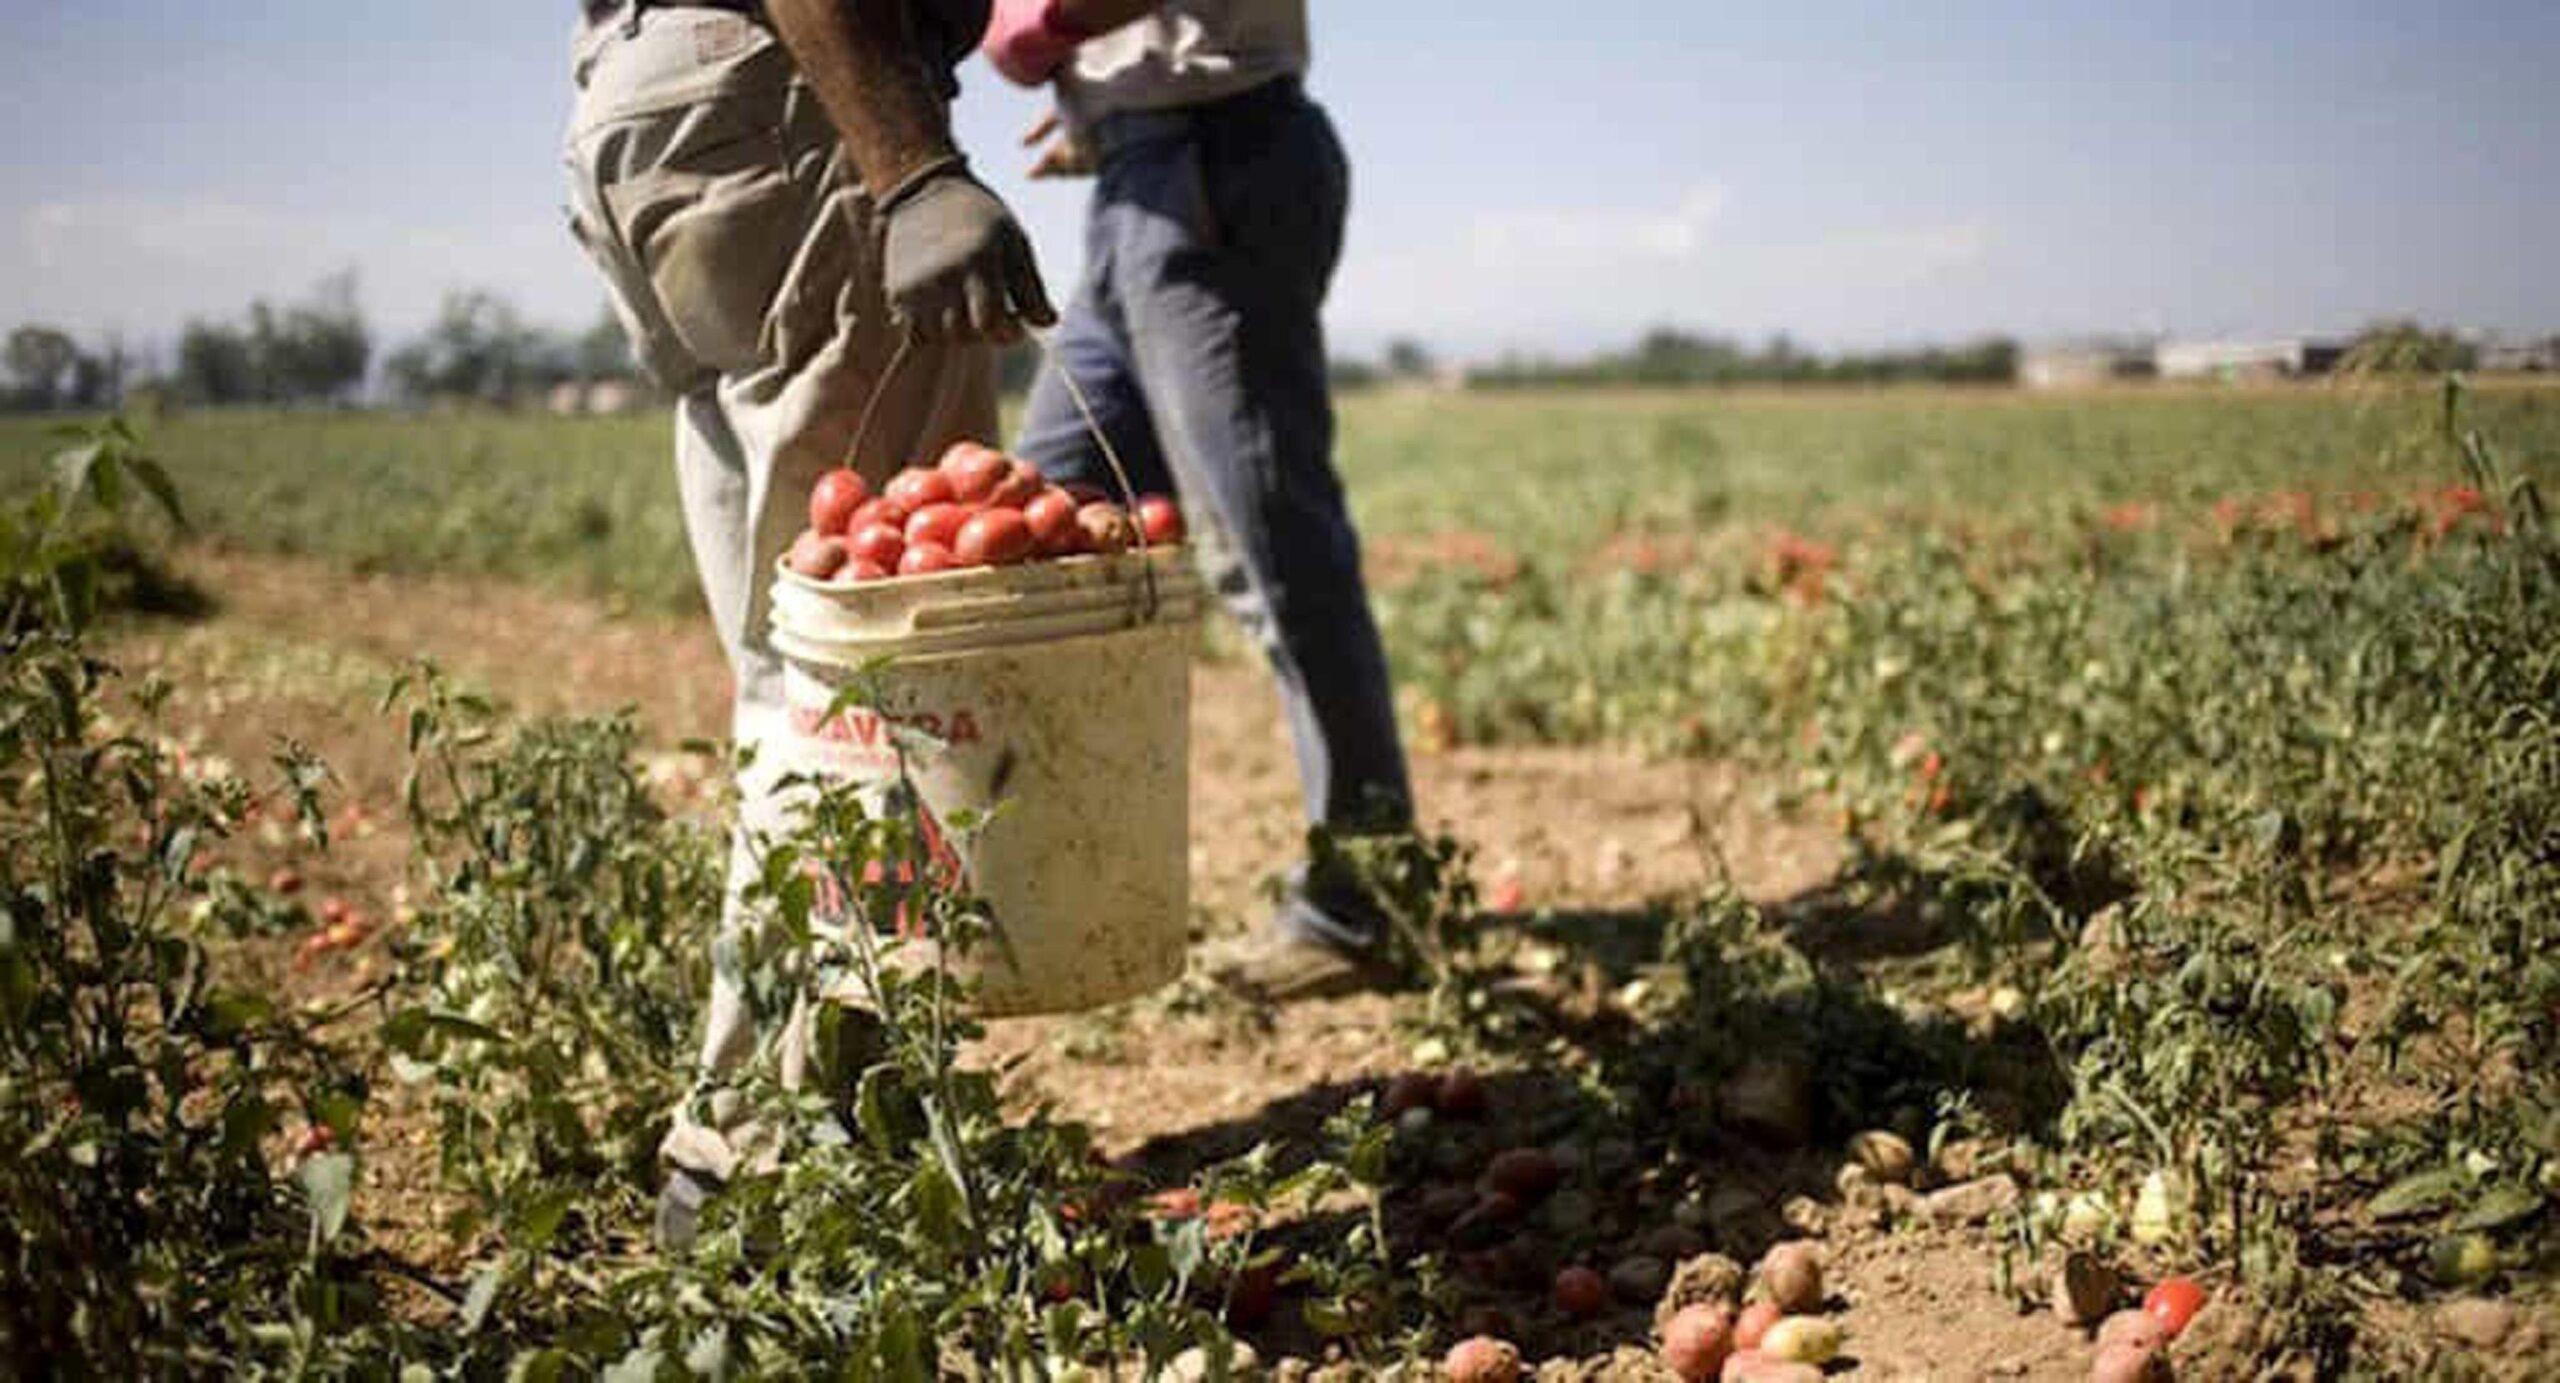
(571, 397)
(2079, 364)
(615, 396)
(2515, 357)
(2278, 358)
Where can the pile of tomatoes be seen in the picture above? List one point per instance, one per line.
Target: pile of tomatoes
(976, 507)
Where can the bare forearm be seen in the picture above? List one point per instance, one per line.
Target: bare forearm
(861, 58)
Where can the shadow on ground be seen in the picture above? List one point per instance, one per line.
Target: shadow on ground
(1693, 1071)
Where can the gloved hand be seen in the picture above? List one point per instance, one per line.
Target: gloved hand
(1029, 40)
(954, 264)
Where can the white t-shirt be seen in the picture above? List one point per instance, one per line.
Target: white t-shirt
(1187, 53)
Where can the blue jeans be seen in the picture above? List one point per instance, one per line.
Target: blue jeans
(1197, 336)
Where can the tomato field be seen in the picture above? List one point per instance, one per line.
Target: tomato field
(1919, 883)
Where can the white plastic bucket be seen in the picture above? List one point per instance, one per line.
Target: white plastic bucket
(1060, 690)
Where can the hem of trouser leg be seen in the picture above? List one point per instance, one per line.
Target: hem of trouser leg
(690, 1147)
(1300, 921)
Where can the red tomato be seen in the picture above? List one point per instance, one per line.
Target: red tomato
(1697, 1341)
(914, 489)
(1104, 527)
(1461, 1095)
(926, 557)
(1754, 1322)
(862, 570)
(832, 501)
(2173, 1303)
(1160, 519)
(1253, 1293)
(1022, 483)
(1060, 1282)
(816, 556)
(1581, 1293)
(879, 544)
(994, 538)
(879, 509)
(936, 523)
(975, 469)
(1052, 516)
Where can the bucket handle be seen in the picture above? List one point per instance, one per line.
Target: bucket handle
(1047, 341)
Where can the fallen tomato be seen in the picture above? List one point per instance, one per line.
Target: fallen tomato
(2174, 1302)
(1482, 1359)
(1581, 1293)
(1697, 1341)
(1752, 1326)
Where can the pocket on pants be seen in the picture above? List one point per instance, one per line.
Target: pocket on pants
(712, 227)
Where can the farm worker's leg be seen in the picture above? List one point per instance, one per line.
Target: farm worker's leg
(1217, 231)
(714, 195)
(1090, 342)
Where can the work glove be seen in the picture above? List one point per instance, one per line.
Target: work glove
(1029, 40)
(954, 264)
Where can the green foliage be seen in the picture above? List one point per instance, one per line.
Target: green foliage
(889, 1215)
(556, 967)
(314, 351)
(65, 550)
(1665, 356)
(2151, 767)
(143, 1097)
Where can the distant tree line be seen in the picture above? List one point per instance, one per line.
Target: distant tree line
(320, 352)
(314, 351)
(1666, 356)
(479, 350)
(49, 370)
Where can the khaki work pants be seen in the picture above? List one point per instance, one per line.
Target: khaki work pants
(711, 190)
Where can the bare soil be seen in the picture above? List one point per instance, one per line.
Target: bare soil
(303, 648)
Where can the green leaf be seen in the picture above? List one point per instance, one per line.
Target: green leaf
(872, 1110)
(2500, 1206)
(533, 1229)
(155, 480)
(73, 468)
(2420, 1194)
(328, 1182)
(538, 1366)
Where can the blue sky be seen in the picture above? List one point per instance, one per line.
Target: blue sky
(1527, 176)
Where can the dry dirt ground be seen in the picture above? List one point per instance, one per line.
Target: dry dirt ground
(304, 648)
